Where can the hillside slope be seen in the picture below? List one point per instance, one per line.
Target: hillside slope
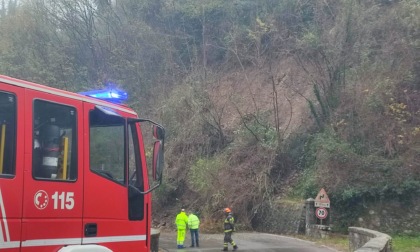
(264, 102)
(332, 104)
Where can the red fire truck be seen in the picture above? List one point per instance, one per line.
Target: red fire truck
(73, 170)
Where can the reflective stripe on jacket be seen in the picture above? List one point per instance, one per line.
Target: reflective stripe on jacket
(181, 220)
(193, 221)
(228, 224)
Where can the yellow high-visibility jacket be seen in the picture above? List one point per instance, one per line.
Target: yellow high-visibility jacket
(193, 221)
(181, 220)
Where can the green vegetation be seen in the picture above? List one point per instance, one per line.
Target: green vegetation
(405, 243)
(336, 241)
(261, 99)
(341, 243)
(203, 171)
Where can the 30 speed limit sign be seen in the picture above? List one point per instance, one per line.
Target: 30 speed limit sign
(321, 213)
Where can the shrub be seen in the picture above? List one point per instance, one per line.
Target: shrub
(203, 173)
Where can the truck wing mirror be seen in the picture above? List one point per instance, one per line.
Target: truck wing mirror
(158, 150)
(158, 132)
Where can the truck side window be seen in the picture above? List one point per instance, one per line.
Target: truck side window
(136, 186)
(54, 141)
(7, 134)
(107, 146)
(134, 170)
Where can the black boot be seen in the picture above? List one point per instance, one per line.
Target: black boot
(225, 249)
(197, 244)
(235, 248)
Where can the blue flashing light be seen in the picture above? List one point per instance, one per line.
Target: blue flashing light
(110, 94)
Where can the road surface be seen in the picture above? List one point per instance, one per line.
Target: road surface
(250, 242)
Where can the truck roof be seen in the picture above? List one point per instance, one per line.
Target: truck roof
(63, 93)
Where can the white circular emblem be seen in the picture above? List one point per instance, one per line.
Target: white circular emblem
(41, 199)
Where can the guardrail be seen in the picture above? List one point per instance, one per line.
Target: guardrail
(366, 240)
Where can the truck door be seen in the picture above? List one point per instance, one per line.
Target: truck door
(114, 213)
(53, 179)
(11, 165)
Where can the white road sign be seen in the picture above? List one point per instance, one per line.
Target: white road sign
(322, 199)
(321, 213)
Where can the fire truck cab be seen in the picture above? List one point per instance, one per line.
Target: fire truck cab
(73, 170)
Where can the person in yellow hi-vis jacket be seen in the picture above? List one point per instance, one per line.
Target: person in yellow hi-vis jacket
(193, 225)
(229, 228)
(181, 222)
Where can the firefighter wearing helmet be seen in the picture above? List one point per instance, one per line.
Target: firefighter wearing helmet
(229, 228)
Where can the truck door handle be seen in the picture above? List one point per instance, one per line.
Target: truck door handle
(91, 229)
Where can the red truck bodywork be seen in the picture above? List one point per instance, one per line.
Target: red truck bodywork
(85, 205)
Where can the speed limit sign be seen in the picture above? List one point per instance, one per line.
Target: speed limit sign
(321, 213)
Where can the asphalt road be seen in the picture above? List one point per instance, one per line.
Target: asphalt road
(251, 242)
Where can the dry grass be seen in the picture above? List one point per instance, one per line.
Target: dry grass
(336, 241)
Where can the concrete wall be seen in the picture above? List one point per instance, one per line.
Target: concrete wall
(392, 216)
(318, 231)
(366, 240)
